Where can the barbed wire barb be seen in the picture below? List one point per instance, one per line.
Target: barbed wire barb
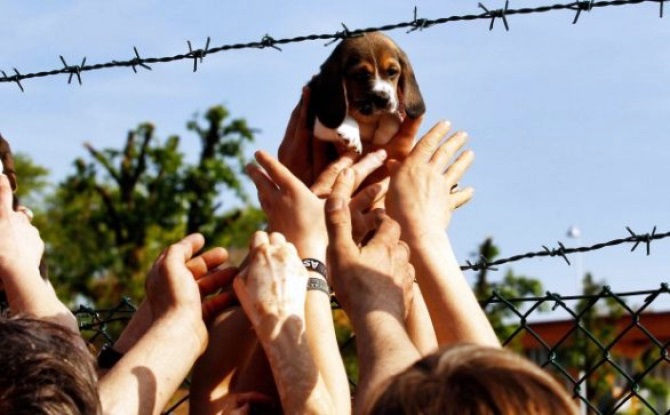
(646, 238)
(16, 79)
(138, 61)
(345, 33)
(502, 13)
(268, 41)
(418, 23)
(198, 54)
(73, 70)
(560, 251)
(582, 5)
(660, 7)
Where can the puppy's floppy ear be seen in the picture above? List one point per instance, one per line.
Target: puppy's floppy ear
(409, 92)
(328, 98)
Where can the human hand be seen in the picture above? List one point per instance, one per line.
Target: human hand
(21, 247)
(424, 190)
(297, 212)
(304, 155)
(179, 282)
(376, 276)
(272, 288)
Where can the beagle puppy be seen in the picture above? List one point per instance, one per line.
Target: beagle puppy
(363, 91)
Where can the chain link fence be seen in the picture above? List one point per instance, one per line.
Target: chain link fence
(610, 350)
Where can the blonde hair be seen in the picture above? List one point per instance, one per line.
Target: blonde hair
(469, 379)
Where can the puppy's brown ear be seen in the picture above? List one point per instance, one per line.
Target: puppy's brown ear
(409, 92)
(328, 99)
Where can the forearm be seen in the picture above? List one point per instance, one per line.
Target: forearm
(419, 324)
(223, 367)
(27, 293)
(321, 338)
(323, 346)
(453, 307)
(384, 350)
(302, 389)
(143, 381)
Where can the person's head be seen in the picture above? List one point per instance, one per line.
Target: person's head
(43, 371)
(469, 379)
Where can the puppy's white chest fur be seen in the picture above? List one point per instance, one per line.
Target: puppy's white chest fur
(352, 134)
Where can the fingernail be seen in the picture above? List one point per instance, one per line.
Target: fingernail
(334, 203)
(381, 154)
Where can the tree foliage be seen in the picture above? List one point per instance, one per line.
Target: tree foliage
(511, 286)
(121, 206)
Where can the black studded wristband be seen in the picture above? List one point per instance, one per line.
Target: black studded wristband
(316, 266)
(318, 284)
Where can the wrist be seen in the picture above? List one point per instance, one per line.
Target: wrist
(135, 329)
(272, 327)
(179, 328)
(312, 249)
(423, 235)
(369, 314)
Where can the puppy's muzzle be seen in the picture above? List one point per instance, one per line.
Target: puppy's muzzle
(376, 102)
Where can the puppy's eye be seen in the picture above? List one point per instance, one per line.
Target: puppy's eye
(391, 72)
(363, 75)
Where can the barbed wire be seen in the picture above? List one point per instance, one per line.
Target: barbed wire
(267, 41)
(563, 252)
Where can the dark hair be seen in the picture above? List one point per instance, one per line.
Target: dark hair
(470, 379)
(43, 371)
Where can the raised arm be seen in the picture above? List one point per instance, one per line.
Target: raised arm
(272, 290)
(423, 192)
(21, 249)
(297, 212)
(156, 363)
(373, 284)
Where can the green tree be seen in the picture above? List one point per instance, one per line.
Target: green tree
(32, 181)
(502, 317)
(121, 207)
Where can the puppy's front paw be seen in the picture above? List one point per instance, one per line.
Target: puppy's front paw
(351, 137)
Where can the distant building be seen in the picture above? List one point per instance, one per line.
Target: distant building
(631, 346)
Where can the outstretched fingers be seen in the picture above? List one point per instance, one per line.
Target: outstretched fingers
(208, 260)
(424, 149)
(180, 253)
(446, 151)
(276, 172)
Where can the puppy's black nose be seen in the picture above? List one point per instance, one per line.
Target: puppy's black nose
(381, 100)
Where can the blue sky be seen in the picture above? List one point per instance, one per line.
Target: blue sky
(568, 122)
